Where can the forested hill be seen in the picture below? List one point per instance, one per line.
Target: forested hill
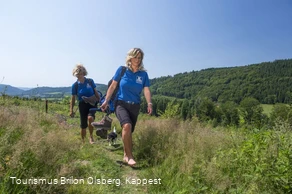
(269, 82)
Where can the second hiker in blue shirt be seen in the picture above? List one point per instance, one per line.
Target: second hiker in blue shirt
(134, 80)
(83, 87)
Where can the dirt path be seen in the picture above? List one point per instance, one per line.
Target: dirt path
(129, 176)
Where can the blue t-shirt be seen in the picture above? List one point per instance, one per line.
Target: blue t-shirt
(131, 84)
(84, 89)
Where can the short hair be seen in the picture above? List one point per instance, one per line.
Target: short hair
(79, 68)
(132, 53)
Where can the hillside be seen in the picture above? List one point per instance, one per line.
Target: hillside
(58, 92)
(269, 82)
(48, 92)
(10, 90)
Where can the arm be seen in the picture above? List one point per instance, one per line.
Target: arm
(96, 94)
(94, 89)
(147, 95)
(72, 103)
(109, 94)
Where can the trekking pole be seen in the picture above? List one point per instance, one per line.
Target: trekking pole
(108, 112)
(75, 110)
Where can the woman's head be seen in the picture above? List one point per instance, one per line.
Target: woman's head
(79, 70)
(135, 54)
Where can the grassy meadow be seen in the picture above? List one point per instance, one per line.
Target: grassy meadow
(42, 153)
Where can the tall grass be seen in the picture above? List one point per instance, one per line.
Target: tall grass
(187, 157)
(35, 145)
(190, 158)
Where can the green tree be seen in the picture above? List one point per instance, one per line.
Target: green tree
(172, 110)
(252, 111)
(185, 109)
(205, 109)
(230, 113)
(281, 113)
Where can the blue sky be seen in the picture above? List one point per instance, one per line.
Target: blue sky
(41, 41)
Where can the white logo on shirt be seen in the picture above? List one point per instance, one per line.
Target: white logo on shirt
(139, 80)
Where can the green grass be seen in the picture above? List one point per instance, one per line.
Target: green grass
(185, 157)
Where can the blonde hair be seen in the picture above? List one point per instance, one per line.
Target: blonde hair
(132, 53)
(79, 69)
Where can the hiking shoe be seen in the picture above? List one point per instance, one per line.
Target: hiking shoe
(105, 123)
(111, 138)
(92, 100)
(101, 132)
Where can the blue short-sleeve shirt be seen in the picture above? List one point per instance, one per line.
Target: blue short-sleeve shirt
(131, 84)
(84, 89)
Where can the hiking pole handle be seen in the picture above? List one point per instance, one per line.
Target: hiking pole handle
(93, 110)
(108, 112)
(75, 110)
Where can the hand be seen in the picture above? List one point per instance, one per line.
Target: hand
(149, 109)
(72, 114)
(104, 105)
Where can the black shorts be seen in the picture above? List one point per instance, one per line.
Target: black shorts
(84, 113)
(127, 113)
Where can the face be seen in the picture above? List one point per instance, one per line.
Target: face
(136, 60)
(79, 74)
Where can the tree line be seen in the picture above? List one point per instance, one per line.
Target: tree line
(226, 96)
(248, 113)
(268, 82)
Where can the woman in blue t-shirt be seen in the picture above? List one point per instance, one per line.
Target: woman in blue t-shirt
(83, 88)
(134, 80)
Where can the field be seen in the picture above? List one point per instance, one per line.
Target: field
(42, 153)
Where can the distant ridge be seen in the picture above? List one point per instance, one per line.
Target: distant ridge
(24, 88)
(268, 82)
(50, 92)
(10, 90)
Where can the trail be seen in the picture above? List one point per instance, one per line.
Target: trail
(129, 175)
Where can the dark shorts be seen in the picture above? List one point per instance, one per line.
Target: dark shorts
(84, 113)
(127, 113)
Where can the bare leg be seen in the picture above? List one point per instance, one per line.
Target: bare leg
(83, 134)
(127, 140)
(90, 120)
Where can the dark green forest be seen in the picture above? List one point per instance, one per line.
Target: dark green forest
(227, 96)
(268, 82)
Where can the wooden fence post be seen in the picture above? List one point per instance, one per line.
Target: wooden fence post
(46, 106)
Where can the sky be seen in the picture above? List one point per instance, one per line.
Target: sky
(42, 41)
